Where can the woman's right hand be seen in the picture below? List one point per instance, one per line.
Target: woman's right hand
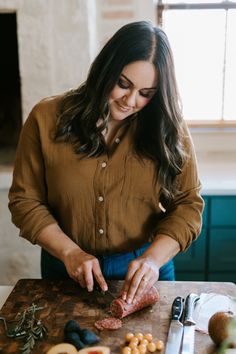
(83, 268)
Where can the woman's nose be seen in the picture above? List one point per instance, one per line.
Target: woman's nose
(130, 99)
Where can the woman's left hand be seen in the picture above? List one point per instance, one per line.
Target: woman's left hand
(142, 274)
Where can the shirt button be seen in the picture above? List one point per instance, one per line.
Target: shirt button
(117, 140)
(104, 164)
(100, 198)
(101, 231)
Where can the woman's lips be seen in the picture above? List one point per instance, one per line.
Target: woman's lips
(122, 108)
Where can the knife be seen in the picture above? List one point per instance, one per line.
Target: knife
(176, 327)
(189, 324)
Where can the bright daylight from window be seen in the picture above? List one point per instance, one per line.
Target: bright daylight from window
(204, 46)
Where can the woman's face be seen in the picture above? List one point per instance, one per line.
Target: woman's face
(135, 88)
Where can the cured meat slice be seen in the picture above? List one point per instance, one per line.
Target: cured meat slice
(108, 323)
(120, 308)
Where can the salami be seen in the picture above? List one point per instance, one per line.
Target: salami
(108, 323)
(119, 308)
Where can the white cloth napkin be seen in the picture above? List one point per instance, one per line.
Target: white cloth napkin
(210, 304)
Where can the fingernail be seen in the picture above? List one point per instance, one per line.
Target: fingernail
(134, 300)
(124, 296)
(129, 300)
(90, 289)
(105, 288)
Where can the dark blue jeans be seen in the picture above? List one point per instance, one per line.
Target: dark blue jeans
(113, 266)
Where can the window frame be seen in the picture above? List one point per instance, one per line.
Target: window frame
(223, 5)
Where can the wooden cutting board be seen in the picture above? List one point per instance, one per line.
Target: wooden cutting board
(65, 300)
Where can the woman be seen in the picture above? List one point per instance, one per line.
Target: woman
(105, 178)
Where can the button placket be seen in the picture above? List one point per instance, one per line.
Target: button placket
(100, 197)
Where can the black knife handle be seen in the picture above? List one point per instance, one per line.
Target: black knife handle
(190, 303)
(177, 308)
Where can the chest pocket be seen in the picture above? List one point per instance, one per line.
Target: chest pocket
(140, 181)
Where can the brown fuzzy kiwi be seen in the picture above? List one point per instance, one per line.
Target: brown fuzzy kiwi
(218, 326)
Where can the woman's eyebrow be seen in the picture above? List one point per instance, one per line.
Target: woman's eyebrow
(146, 88)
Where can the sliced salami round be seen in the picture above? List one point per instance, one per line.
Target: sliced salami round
(120, 308)
(108, 323)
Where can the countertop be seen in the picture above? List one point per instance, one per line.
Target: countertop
(64, 300)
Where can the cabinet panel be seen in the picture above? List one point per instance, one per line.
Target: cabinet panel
(194, 258)
(223, 276)
(223, 211)
(190, 276)
(222, 250)
(218, 239)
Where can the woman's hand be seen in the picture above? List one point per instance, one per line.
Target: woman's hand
(142, 274)
(83, 268)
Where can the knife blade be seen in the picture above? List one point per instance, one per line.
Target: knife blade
(189, 324)
(176, 327)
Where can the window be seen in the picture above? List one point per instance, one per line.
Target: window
(202, 37)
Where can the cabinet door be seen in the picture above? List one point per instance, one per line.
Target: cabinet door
(189, 276)
(222, 276)
(223, 211)
(222, 247)
(194, 258)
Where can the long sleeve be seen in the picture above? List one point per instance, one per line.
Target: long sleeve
(183, 219)
(28, 194)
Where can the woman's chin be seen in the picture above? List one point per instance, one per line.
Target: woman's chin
(119, 116)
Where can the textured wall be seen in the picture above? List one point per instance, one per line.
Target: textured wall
(55, 45)
(18, 258)
(112, 14)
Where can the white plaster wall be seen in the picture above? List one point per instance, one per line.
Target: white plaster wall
(18, 258)
(72, 42)
(55, 45)
(106, 27)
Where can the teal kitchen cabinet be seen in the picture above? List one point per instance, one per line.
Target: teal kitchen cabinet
(222, 239)
(213, 255)
(223, 211)
(191, 264)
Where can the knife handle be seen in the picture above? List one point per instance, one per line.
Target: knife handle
(177, 308)
(190, 303)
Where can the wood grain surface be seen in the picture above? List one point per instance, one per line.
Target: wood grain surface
(65, 300)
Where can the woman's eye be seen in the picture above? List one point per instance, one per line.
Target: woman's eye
(123, 84)
(147, 94)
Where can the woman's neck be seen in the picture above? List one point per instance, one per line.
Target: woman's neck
(112, 128)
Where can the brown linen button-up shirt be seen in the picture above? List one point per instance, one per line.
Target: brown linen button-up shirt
(106, 204)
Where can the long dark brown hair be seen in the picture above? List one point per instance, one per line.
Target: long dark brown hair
(158, 135)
